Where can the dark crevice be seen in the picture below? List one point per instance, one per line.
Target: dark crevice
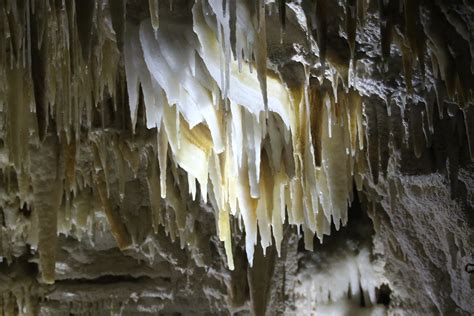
(110, 279)
(25, 210)
(361, 297)
(2, 218)
(383, 294)
(359, 228)
(20, 266)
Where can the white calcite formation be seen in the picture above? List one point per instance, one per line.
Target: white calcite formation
(259, 150)
(337, 286)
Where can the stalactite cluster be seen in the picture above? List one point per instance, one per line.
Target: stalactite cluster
(95, 97)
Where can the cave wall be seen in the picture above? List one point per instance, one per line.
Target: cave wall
(85, 226)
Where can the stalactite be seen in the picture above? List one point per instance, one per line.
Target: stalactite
(351, 24)
(372, 142)
(17, 117)
(361, 11)
(117, 227)
(47, 193)
(260, 150)
(118, 12)
(248, 195)
(407, 68)
(440, 49)
(282, 13)
(261, 51)
(414, 32)
(387, 10)
(154, 190)
(316, 113)
(84, 17)
(321, 29)
(154, 13)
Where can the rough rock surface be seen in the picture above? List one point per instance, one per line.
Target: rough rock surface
(409, 240)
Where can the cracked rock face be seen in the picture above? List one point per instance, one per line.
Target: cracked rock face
(303, 157)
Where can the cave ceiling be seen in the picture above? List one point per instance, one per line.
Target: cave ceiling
(296, 157)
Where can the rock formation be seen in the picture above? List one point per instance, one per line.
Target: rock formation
(291, 157)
